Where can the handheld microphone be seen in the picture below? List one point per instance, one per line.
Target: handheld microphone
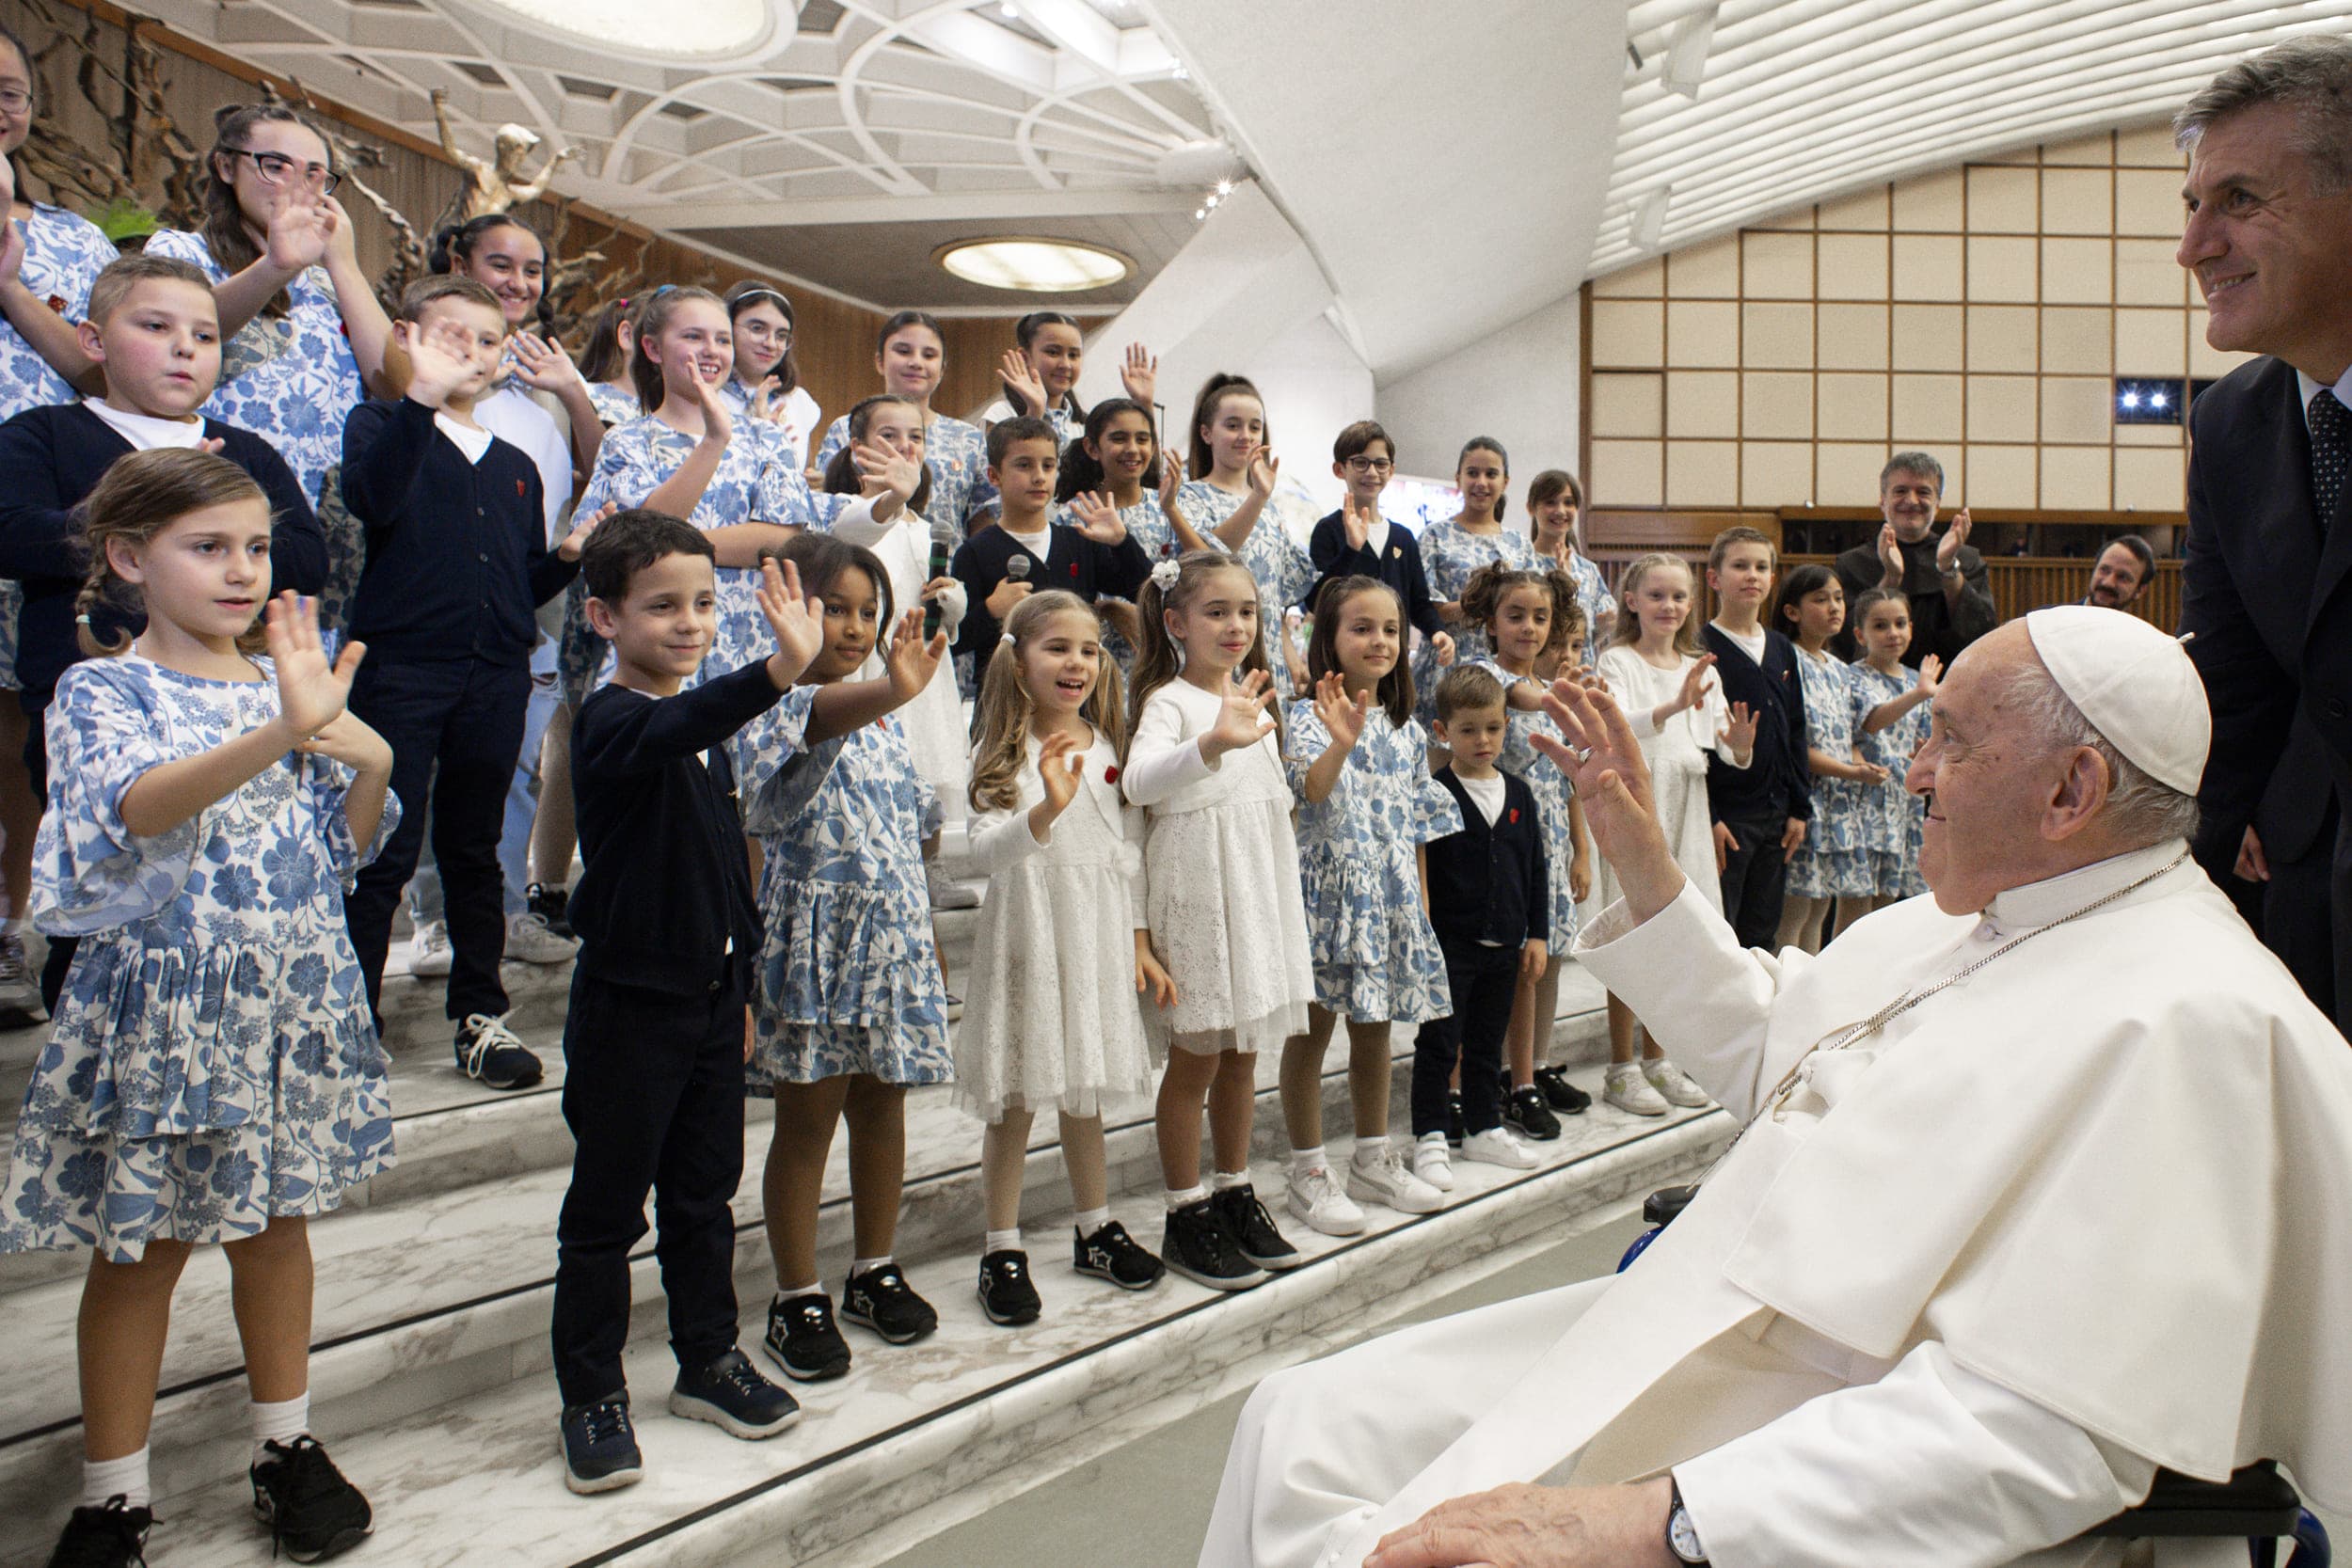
(941, 543)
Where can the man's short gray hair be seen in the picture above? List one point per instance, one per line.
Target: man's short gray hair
(1919, 462)
(2312, 75)
(2140, 808)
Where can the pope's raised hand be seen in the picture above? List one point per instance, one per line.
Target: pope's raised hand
(1603, 759)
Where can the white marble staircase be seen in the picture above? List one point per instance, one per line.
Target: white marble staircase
(430, 1372)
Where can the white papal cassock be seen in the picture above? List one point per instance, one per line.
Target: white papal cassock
(2083, 1214)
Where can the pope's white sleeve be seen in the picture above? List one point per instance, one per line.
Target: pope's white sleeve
(1930, 1466)
(1704, 997)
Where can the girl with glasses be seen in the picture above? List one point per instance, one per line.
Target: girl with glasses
(767, 380)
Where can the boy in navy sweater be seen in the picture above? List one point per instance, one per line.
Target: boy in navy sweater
(457, 564)
(1356, 541)
(1761, 811)
(1488, 902)
(153, 328)
(1091, 556)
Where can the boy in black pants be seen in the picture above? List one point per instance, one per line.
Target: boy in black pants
(659, 1025)
(1761, 811)
(1487, 901)
(457, 564)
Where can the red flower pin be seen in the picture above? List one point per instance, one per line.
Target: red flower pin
(1515, 815)
(56, 303)
(1110, 774)
(1073, 568)
(518, 488)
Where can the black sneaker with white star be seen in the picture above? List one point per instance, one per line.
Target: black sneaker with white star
(1252, 1229)
(1111, 1254)
(112, 1536)
(1007, 1294)
(881, 1300)
(1196, 1247)
(730, 1394)
(1525, 1112)
(801, 1339)
(312, 1512)
(1563, 1096)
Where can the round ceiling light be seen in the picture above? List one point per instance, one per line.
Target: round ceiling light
(705, 27)
(1034, 266)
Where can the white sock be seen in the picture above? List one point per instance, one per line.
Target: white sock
(281, 1422)
(1176, 1200)
(1227, 1180)
(1302, 1161)
(793, 1292)
(858, 1266)
(1368, 1152)
(1092, 1220)
(103, 1478)
(1003, 1241)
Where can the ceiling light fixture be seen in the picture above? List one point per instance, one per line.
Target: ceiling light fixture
(1034, 265)
(704, 28)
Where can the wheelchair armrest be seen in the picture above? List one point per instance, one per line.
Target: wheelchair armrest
(1662, 1206)
(2256, 1501)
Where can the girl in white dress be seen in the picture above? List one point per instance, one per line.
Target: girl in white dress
(1659, 673)
(1223, 897)
(1064, 946)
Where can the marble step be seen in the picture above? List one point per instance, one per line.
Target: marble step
(975, 1410)
(417, 1301)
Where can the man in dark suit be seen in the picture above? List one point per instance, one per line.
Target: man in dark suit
(2266, 589)
(1945, 579)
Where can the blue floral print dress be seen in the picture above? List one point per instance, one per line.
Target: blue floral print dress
(1554, 795)
(957, 455)
(1376, 955)
(1593, 597)
(612, 405)
(1835, 860)
(847, 979)
(213, 1064)
(1284, 571)
(1449, 554)
(1899, 818)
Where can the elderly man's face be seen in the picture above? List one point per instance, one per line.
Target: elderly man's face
(1908, 500)
(2266, 247)
(2116, 581)
(1987, 778)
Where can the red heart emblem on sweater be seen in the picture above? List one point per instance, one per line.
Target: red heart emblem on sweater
(1111, 775)
(1515, 813)
(518, 488)
(1073, 568)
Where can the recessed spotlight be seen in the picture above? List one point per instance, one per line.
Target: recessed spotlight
(1034, 265)
(1200, 212)
(1224, 187)
(2131, 400)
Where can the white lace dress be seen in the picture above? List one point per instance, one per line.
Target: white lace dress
(1221, 878)
(1052, 1018)
(1677, 754)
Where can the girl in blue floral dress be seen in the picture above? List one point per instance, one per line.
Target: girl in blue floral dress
(1890, 718)
(911, 356)
(1554, 503)
(1528, 618)
(1452, 550)
(302, 322)
(733, 478)
(1834, 862)
(1118, 456)
(1359, 765)
(1227, 509)
(214, 1074)
(849, 1010)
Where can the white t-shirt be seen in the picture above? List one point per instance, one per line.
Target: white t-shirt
(1376, 541)
(1037, 545)
(1752, 645)
(471, 440)
(1485, 793)
(516, 417)
(145, 432)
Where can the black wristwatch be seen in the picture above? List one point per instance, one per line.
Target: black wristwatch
(1682, 1537)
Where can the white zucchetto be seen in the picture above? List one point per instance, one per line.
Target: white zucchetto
(2135, 684)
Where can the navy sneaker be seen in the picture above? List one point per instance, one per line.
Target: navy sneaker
(1006, 1294)
(1111, 1254)
(114, 1536)
(801, 1339)
(489, 1052)
(1252, 1229)
(600, 1446)
(1196, 1245)
(312, 1512)
(732, 1396)
(881, 1300)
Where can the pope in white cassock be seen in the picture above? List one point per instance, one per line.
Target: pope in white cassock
(2046, 1182)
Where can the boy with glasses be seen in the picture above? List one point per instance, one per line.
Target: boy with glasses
(1356, 541)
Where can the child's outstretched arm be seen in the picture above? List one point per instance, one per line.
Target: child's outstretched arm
(1930, 668)
(846, 705)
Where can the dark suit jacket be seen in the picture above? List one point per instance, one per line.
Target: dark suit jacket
(2267, 592)
(1935, 628)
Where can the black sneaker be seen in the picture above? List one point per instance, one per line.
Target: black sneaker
(1006, 1295)
(1455, 1129)
(1563, 1096)
(489, 1052)
(1196, 1247)
(550, 904)
(1252, 1229)
(114, 1536)
(312, 1512)
(1111, 1254)
(730, 1394)
(1526, 1114)
(801, 1339)
(881, 1300)
(599, 1446)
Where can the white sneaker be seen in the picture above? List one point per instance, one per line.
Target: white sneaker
(1317, 1200)
(1432, 1161)
(1625, 1089)
(1676, 1086)
(529, 942)
(1499, 1146)
(428, 951)
(946, 892)
(1389, 1179)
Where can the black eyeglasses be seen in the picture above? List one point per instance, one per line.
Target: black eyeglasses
(15, 100)
(274, 168)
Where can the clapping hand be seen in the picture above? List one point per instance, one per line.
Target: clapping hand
(1695, 684)
(1931, 676)
(1140, 374)
(798, 622)
(1342, 716)
(1356, 520)
(1947, 548)
(718, 426)
(913, 661)
(577, 540)
(1058, 762)
(1171, 478)
(764, 396)
(298, 230)
(1244, 720)
(1891, 557)
(1739, 733)
(311, 691)
(440, 358)
(543, 364)
(1097, 519)
(1028, 393)
(1265, 469)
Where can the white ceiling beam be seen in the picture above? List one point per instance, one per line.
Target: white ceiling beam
(977, 206)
